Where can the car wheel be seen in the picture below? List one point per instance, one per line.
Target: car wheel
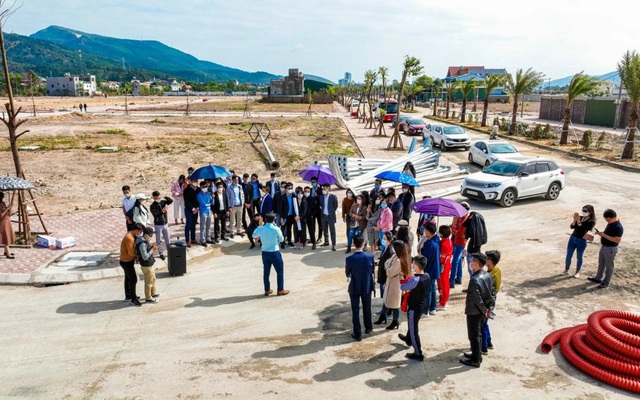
(433, 142)
(487, 163)
(443, 147)
(470, 159)
(508, 198)
(553, 192)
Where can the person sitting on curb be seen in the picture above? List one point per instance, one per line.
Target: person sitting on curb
(144, 252)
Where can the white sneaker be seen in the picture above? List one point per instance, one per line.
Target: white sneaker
(577, 275)
(441, 308)
(432, 312)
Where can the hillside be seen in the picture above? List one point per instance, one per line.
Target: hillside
(146, 54)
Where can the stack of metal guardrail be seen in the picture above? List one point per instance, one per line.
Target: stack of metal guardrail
(359, 173)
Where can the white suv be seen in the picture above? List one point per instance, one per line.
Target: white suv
(447, 136)
(506, 181)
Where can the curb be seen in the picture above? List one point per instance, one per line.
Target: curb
(545, 147)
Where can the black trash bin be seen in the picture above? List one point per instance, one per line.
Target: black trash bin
(177, 261)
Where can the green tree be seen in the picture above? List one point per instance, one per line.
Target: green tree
(580, 84)
(629, 67)
(524, 82)
(437, 89)
(411, 68)
(466, 88)
(451, 88)
(491, 83)
(413, 92)
(370, 77)
(384, 74)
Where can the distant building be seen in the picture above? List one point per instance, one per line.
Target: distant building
(346, 80)
(290, 89)
(71, 85)
(478, 70)
(135, 87)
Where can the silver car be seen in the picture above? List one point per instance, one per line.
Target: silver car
(484, 152)
(447, 136)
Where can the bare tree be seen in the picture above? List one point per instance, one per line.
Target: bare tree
(412, 67)
(370, 77)
(384, 73)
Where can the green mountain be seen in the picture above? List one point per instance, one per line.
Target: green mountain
(147, 54)
(49, 59)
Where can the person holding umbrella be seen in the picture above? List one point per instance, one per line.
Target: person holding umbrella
(7, 235)
(329, 205)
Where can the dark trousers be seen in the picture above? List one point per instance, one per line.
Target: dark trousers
(190, 225)
(274, 258)
(289, 224)
(486, 335)
(255, 207)
(300, 235)
(355, 312)
(318, 222)
(130, 279)
(413, 331)
(311, 227)
(328, 226)
(220, 224)
(250, 229)
(474, 330)
(246, 214)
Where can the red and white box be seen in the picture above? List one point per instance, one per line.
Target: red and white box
(65, 243)
(46, 241)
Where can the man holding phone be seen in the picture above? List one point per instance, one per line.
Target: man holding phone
(609, 239)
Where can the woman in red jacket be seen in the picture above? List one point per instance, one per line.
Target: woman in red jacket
(459, 243)
(446, 252)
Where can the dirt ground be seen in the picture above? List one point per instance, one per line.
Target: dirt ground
(72, 175)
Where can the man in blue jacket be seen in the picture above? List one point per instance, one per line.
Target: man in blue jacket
(431, 250)
(266, 202)
(359, 271)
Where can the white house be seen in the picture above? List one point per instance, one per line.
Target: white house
(71, 85)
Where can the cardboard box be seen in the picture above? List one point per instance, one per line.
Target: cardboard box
(65, 243)
(46, 241)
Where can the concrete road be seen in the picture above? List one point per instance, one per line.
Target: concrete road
(214, 334)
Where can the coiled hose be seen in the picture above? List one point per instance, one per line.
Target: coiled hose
(606, 348)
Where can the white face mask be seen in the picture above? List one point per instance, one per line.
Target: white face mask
(584, 214)
(219, 190)
(378, 201)
(128, 195)
(290, 191)
(307, 194)
(405, 190)
(204, 190)
(349, 195)
(300, 195)
(359, 201)
(158, 200)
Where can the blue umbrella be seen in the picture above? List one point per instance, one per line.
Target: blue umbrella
(439, 207)
(10, 183)
(396, 176)
(324, 174)
(210, 172)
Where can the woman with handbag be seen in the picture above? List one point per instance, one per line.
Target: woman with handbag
(581, 224)
(398, 268)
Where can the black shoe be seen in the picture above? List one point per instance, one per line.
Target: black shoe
(602, 285)
(241, 235)
(404, 339)
(393, 325)
(135, 303)
(162, 257)
(368, 331)
(253, 246)
(333, 248)
(283, 246)
(381, 320)
(325, 244)
(358, 338)
(484, 352)
(216, 241)
(226, 239)
(592, 279)
(469, 363)
(459, 282)
(452, 286)
(467, 354)
(414, 356)
(490, 346)
(290, 244)
(156, 295)
(204, 244)
(210, 241)
(348, 250)
(464, 290)
(231, 236)
(313, 247)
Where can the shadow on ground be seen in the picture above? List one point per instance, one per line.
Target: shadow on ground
(199, 302)
(92, 307)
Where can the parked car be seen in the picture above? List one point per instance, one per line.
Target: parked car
(447, 136)
(412, 126)
(402, 118)
(484, 152)
(505, 181)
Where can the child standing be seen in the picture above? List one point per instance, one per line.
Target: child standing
(446, 253)
(493, 258)
(418, 288)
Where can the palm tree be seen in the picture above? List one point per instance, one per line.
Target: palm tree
(466, 87)
(491, 83)
(412, 67)
(524, 82)
(437, 88)
(629, 67)
(580, 84)
(415, 90)
(370, 77)
(384, 73)
(451, 87)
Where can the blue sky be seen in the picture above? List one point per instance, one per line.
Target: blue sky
(329, 37)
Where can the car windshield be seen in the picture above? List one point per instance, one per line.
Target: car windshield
(502, 168)
(416, 122)
(453, 130)
(502, 148)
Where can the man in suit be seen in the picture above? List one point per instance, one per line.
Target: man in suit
(246, 212)
(287, 212)
(329, 206)
(252, 195)
(396, 209)
(359, 271)
(220, 210)
(235, 198)
(278, 198)
(266, 202)
(191, 210)
(311, 215)
(274, 185)
(316, 191)
(406, 199)
(377, 188)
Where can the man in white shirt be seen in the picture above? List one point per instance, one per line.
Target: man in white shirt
(128, 201)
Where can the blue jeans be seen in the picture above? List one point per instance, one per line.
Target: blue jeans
(575, 244)
(274, 258)
(352, 233)
(456, 265)
(432, 296)
(486, 335)
(190, 225)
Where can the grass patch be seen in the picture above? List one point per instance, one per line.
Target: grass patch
(121, 132)
(157, 121)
